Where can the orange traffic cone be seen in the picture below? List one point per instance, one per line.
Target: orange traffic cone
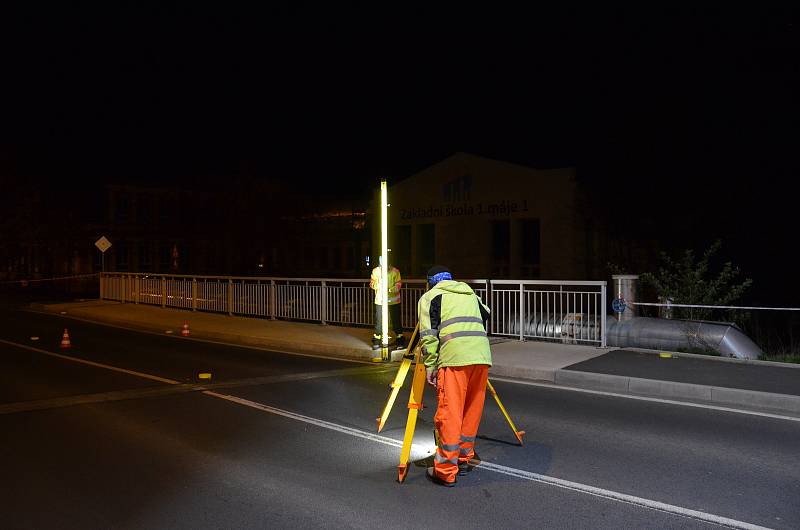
(185, 331)
(65, 343)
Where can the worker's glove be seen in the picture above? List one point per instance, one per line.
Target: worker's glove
(431, 376)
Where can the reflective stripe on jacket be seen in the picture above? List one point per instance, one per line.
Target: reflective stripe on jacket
(395, 282)
(452, 329)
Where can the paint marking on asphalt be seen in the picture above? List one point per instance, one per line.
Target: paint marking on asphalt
(100, 397)
(510, 471)
(488, 466)
(184, 388)
(176, 386)
(92, 363)
(645, 398)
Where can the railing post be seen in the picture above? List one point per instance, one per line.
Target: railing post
(603, 316)
(136, 286)
(521, 311)
(490, 306)
(230, 296)
(272, 299)
(163, 291)
(194, 294)
(323, 296)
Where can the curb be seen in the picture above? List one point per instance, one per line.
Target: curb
(522, 372)
(722, 396)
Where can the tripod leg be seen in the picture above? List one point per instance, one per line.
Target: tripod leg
(398, 381)
(414, 406)
(518, 434)
(396, 385)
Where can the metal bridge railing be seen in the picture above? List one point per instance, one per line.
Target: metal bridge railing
(564, 311)
(560, 311)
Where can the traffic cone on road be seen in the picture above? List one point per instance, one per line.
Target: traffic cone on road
(65, 343)
(185, 331)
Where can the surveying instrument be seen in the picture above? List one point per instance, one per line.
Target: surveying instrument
(414, 354)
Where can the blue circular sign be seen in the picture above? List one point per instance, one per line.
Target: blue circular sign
(618, 305)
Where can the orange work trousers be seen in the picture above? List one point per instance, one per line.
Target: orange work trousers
(461, 391)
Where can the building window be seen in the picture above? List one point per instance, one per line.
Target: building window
(164, 257)
(144, 209)
(501, 248)
(530, 245)
(121, 207)
(145, 259)
(458, 189)
(426, 248)
(165, 211)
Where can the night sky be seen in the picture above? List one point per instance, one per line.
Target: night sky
(685, 120)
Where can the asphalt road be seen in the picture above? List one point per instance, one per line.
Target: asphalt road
(128, 439)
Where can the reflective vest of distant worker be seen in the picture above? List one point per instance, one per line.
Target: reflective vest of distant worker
(393, 295)
(457, 356)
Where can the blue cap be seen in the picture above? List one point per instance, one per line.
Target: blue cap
(438, 273)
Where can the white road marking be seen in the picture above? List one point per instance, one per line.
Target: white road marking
(92, 363)
(645, 398)
(518, 473)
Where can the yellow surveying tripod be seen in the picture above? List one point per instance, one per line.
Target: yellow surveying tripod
(415, 401)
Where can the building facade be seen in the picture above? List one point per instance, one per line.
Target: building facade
(490, 219)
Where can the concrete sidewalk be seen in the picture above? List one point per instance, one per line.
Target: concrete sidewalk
(568, 365)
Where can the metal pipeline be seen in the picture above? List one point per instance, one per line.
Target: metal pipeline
(568, 328)
(641, 332)
(675, 335)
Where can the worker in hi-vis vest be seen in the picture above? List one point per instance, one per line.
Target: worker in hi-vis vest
(392, 293)
(452, 331)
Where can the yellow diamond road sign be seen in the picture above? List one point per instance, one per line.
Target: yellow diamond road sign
(103, 244)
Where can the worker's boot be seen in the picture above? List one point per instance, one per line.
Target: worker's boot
(431, 474)
(466, 467)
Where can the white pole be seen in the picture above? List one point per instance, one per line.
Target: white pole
(384, 269)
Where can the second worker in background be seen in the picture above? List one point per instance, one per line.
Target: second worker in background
(391, 296)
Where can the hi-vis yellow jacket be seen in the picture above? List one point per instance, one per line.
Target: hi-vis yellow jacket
(452, 326)
(395, 282)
